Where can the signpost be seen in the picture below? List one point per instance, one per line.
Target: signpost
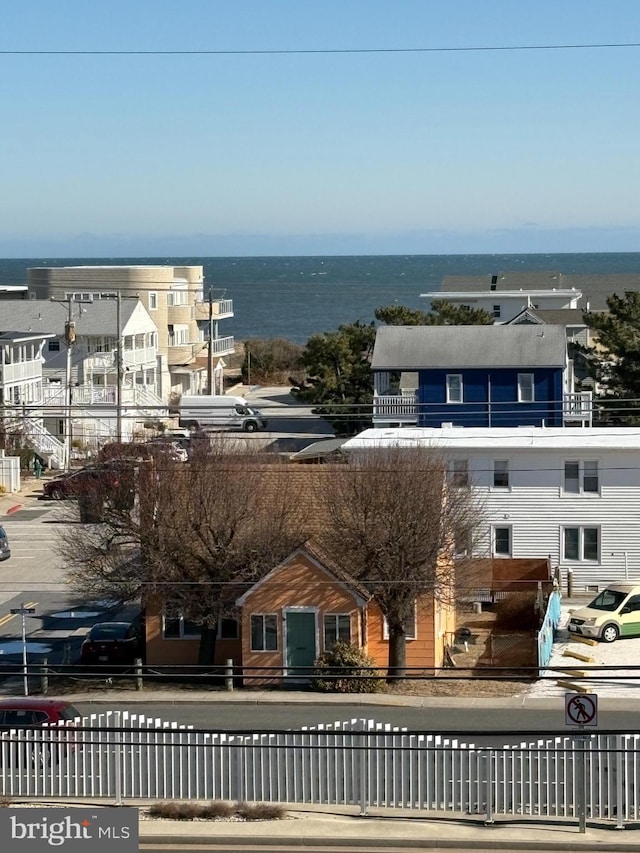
(24, 611)
(581, 711)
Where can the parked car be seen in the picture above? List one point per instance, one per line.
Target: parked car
(23, 712)
(87, 482)
(5, 551)
(613, 613)
(111, 643)
(20, 713)
(175, 449)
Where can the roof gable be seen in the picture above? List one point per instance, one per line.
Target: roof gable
(415, 347)
(321, 562)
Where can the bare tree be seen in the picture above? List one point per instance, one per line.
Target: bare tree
(197, 535)
(393, 522)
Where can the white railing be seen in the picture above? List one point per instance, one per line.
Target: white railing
(107, 361)
(352, 763)
(45, 444)
(221, 346)
(395, 406)
(578, 407)
(221, 309)
(21, 371)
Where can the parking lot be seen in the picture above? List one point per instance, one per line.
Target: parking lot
(623, 653)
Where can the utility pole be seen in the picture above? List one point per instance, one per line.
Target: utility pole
(119, 368)
(69, 339)
(210, 346)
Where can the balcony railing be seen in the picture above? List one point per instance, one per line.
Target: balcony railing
(221, 309)
(20, 372)
(106, 361)
(398, 407)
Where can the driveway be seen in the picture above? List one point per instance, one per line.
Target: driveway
(623, 653)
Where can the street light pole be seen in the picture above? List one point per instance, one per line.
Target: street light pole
(24, 611)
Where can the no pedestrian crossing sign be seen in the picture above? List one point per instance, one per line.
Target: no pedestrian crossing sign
(580, 710)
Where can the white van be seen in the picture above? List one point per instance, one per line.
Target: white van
(220, 412)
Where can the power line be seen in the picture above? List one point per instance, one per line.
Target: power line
(330, 51)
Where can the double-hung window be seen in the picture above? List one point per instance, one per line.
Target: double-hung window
(581, 477)
(264, 632)
(454, 388)
(179, 628)
(459, 473)
(526, 392)
(502, 541)
(581, 543)
(337, 628)
(501, 474)
(153, 300)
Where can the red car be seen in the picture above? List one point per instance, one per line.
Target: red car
(87, 482)
(20, 713)
(23, 712)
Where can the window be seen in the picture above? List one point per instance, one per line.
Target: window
(228, 629)
(462, 542)
(497, 311)
(264, 633)
(459, 475)
(411, 631)
(53, 346)
(178, 628)
(454, 388)
(337, 627)
(501, 474)
(502, 541)
(581, 543)
(153, 300)
(177, 297)
(581, 478)
(525, 388)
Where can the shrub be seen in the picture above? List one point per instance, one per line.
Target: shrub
(259, 811)
(346, 669)
(215, 810)
(3, 490)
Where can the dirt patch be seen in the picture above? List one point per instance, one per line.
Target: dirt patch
(451, 686)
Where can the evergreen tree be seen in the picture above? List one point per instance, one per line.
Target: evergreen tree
(614, 362)
(339, 381)
(442, 313)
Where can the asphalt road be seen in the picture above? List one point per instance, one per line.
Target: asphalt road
(485, 726)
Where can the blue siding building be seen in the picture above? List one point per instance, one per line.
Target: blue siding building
(475, 376)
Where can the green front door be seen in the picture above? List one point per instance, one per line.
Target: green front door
(301, 642)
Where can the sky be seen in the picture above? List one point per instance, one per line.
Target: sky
(418, 146)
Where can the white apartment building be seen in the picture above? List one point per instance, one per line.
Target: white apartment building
(569, 494)
(174, 297)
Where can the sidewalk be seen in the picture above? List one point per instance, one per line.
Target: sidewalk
(336, 829)
(30, 491)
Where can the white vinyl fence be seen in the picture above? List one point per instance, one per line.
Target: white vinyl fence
(118, 755)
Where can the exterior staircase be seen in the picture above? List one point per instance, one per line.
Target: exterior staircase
(45, 445)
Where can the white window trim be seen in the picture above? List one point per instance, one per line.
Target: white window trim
(533, 388)
(453, 474)
(153, 297)
(182, 635)
(581, 492)
(581, 558)
(334, 616)
(409, 637)
(264, 634)
(448, 388)
(496, 527)
(493, 486)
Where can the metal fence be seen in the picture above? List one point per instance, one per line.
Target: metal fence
(118, 756)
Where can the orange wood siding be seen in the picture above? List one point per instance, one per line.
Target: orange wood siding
(421, 652)
(297, 583)
(182, 651)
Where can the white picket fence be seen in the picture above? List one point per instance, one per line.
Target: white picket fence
(118, 756)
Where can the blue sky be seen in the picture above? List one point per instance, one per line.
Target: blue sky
(320, 153)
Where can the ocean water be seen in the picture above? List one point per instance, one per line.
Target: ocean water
(296, 297)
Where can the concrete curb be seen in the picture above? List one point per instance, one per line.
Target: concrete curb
(13, 509)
